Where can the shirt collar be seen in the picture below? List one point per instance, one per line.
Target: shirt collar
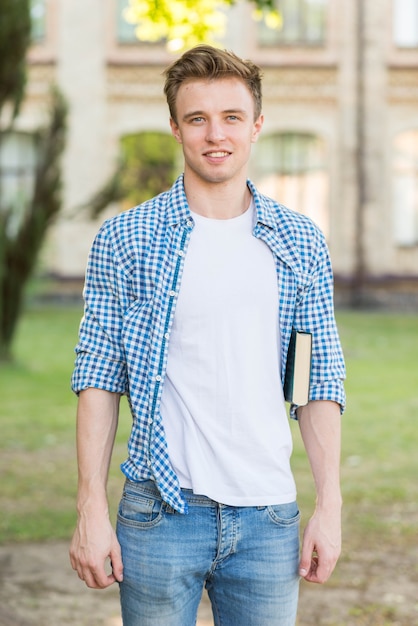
(177, 206)
(270, 214)
(267, 210)
(265, 213)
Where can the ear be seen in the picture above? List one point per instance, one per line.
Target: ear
(175, 131)
(258, 125)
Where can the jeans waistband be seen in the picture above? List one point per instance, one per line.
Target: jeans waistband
(149, 487)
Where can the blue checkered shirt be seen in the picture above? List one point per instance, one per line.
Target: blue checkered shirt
(132, 282)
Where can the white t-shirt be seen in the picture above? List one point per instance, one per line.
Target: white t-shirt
(222, 406)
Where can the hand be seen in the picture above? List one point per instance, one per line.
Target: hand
(321, 547)
(92, 544)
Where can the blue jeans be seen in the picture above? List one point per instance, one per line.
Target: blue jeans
(247, 557)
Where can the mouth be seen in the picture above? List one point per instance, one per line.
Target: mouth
(218, 154)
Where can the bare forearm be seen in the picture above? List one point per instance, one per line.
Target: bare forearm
(320, 426)
(94, 540)
(97, 420)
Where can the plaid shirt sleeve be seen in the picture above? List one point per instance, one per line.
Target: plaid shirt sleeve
(315, 313)
(306, 293)
(100, 360)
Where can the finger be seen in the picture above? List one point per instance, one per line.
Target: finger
(96, 580)
(307, 570)
(319, 571)
(117, 564)
(72, 555)
(93, 575)
(305, 558)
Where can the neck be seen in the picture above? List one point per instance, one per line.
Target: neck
(220, 201)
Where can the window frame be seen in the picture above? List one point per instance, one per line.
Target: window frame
(38, 28)
(405, 186)
(399, 22)
(302, 40)
(298, 173)
(17, 174)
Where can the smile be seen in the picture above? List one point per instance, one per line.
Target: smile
(217, 154)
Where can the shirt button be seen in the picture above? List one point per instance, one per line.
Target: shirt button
(150, 420)
(172, 293)
(158, 378)
(189, 223)
(166, 335)
(181, 253)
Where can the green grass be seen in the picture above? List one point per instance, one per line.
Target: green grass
(38, 473)
(380, 437)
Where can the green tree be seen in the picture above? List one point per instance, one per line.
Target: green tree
(184, 23)
(23, 227)
(147, 167)
(15, 27)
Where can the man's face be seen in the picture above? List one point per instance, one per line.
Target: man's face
(216, 127)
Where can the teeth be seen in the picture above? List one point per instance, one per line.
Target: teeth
(217, 154)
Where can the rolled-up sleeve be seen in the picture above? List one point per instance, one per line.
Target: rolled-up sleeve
(315, 314)
(100, 360)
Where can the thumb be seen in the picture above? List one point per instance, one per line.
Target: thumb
(117, 565)
(305, 559)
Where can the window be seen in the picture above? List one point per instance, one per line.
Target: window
(17, 175)
(405, 189)
(405, 23)
(125, 31)
(37, 14)
(290, 167)
(303, 23)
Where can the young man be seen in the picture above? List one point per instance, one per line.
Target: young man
(190, 302)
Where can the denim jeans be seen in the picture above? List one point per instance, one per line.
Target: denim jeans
(247, 557)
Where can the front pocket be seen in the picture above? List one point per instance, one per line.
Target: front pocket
(139, 511)
(284, 514)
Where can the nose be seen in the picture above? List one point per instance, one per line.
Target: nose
(214, 131)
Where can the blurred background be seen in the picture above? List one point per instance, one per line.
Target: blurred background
(340, 141)
(84, 134)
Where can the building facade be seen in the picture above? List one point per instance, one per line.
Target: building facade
(340, 140)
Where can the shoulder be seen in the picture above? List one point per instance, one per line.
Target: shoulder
(126, 238)
(155, 215)
(291, 226)
(137, 220)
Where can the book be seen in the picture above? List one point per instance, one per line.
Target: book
(298, 368)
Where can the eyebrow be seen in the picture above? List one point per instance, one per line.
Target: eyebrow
(187, 116)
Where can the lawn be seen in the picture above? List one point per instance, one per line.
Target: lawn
(380, 437)
(37, 420)
(376, 579)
